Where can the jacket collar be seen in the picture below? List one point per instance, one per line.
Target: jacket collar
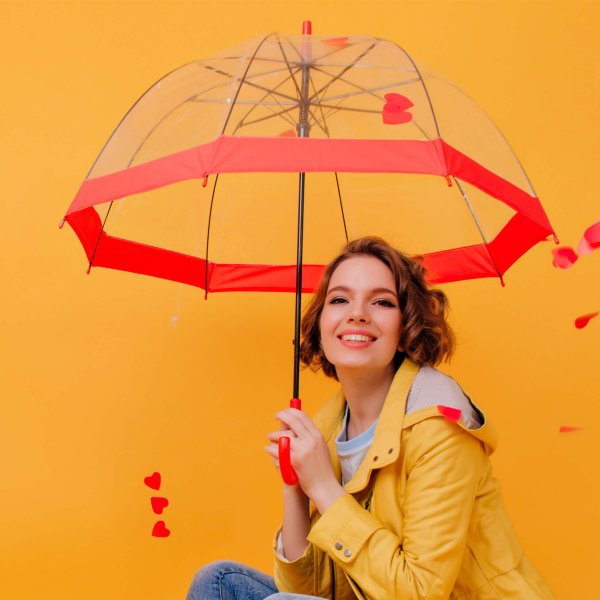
(385, 447)
(386, 442)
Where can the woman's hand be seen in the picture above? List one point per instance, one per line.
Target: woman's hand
(273, 450)
(309, 457)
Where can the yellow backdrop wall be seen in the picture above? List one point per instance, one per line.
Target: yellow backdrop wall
(109, 377)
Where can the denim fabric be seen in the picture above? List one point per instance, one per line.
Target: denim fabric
(228, 580)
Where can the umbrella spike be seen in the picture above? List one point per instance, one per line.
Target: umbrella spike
(307, 28)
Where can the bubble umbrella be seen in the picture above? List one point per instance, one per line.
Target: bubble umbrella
(207, 179)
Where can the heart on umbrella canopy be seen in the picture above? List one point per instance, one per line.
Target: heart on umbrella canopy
(395, 110)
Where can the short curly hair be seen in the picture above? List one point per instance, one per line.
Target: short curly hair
(426, 337)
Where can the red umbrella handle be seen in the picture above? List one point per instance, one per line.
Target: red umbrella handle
(285, 464)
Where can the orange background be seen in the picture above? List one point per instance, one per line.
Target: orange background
(109, 377)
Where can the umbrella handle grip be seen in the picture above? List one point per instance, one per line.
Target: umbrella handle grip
(285, 464)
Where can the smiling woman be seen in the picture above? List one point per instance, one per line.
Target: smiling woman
(395, 496)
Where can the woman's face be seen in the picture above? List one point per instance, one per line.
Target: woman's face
(360, 323)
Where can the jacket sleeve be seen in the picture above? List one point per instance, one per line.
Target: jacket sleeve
(309, 574)
(443, 464)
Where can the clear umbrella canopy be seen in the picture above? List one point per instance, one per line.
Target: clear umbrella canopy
(389, 148)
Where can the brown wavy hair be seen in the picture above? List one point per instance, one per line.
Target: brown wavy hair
(425, 336)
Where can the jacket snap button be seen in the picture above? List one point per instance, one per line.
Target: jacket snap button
(347, 553)
(338, 545)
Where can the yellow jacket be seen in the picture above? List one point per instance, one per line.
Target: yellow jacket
(423, 517)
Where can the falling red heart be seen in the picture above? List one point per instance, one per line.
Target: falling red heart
(160, 529)
(584, 248)
(450, 414)
(592, 235)
(288, 133)
(564, 258)
(158, 504)
(581, 322)
(395, 110)
(568, 429)
(153, 481)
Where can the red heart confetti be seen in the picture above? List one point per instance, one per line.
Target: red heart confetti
(581, 322)
(564, 258)
(160, 530)
(153, 481)
(584, 248)
(158, 504)
(449, 413)
(592, 235)
(395, 109)
(568, 429)
(287, 133)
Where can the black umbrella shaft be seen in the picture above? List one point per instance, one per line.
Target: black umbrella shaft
(297, 319)
(303, 130)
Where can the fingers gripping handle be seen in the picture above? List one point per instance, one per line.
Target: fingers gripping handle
(285, 464)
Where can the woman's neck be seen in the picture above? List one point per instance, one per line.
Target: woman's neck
(365, 393)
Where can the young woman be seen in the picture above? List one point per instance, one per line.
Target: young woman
(395, 498)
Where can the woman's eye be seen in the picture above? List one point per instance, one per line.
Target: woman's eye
(384, 302)
(337, 300)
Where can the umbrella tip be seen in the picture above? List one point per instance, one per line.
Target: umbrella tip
(307, 28)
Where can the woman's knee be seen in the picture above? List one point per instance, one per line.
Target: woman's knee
(209, 575)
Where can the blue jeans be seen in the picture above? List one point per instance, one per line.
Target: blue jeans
(228, 580)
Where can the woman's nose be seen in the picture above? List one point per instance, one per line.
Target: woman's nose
(357, 314)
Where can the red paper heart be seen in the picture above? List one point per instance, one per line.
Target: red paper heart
(160, 529)
(584, 248)
(288, 133)
(450, 414)
(158, 504)
(581, 322)
(395, 110)
(592, 235)
(564, 258)
(568, 429)
(153, 481)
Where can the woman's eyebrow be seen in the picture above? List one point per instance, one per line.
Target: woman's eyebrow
(379, 290)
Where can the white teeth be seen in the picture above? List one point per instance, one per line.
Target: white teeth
(357, 338)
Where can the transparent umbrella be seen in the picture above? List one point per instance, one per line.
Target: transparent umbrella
(248, 170)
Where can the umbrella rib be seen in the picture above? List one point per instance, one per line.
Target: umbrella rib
(418, 72)
(344, 70)
(210, 211)
(246, 80)
(478, 225)
(315, 119)
(337, 181)
(242, 122)
(267, 117)
(289, 68)
(195, 98)
(298, 90)
(370, 91)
